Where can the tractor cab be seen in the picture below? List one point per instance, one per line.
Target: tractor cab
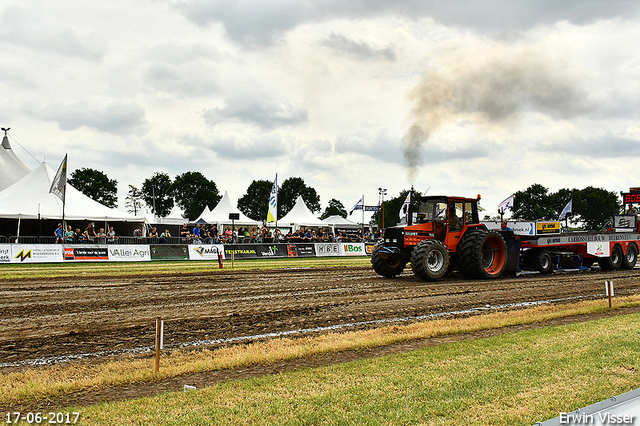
(447, 217)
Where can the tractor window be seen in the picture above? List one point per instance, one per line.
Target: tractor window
(432, 210)
(471, 213)
(455, 215)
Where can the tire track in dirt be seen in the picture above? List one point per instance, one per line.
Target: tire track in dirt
(44, 318)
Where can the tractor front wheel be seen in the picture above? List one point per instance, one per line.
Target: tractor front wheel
(430, 260)
(387, 264)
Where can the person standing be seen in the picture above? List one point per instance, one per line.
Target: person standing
(69, 235)
(59, 233)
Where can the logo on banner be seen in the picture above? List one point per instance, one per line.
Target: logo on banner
(129, 253)
(202, 251)
(348, 248)
(68, 254)
(24, 255)
(328, 249)
(272, 251)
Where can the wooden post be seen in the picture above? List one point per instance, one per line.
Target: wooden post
(232, 259)
(159, 338)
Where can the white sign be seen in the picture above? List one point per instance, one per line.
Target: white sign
(5, 253)
(206, 252)
(133, 253)
(599, 249)
(352, 249)
(518, 228)
(327, 249)
(36, 253)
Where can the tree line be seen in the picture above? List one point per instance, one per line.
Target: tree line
(593, 208)
(192, 192)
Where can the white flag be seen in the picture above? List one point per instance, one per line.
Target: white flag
(59, 183)
(567, 209)
(507, 203)
(358, 206)
(404, 210)
(272, 215)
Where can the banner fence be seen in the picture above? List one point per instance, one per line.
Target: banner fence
(51, 253)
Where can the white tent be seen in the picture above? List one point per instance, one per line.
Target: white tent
(340, 222)
(173, 218)
(204, 213)
(29, 198)
(300, 215)
(11, 168)
(220, 213)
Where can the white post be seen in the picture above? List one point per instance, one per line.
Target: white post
(159, 341)
(609, 290)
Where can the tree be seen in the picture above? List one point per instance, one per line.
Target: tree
(534, 203)
(133, 200)
(255, 202)
(192, 191)
(392, 208)
(289, 192)
(596, 207)
(157, 192)
(335, 207)
(95, 185)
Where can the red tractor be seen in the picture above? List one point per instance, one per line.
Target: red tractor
(448, 236)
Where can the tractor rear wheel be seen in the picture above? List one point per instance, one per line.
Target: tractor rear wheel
(482, 254)
(430, 260)
(542, 262)
(387, 264)
(613, 262)
(629, 260)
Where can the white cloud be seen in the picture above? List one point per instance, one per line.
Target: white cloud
(518, 92)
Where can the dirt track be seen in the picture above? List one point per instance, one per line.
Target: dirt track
(56, 317)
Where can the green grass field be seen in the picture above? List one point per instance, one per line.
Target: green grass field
(513, 379)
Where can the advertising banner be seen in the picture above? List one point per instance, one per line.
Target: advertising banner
(545, 228)
(352, 249)
(518, 228)
(598, 249)
(368, 248)
(36, 253)
(625, 223)
(271, 250)
(327, 249)
(240, 251)
(134, 253)
(300, 250)
(5, 253)
(169, 252)
(206, 252)
(349, 232)
(92, 253)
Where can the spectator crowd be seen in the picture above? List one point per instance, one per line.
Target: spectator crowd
(210, 234)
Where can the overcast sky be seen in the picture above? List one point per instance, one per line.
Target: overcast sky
(457, 97)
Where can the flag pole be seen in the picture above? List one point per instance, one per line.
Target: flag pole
(362, 227)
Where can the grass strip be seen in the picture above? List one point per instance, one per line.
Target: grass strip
(512, 379)
(39, 384)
